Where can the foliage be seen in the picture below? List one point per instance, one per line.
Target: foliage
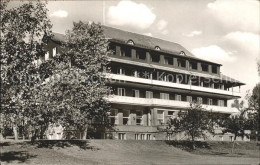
(24, 32)
(76, 93)
(253, 109)
(194, 122)
(234, 124)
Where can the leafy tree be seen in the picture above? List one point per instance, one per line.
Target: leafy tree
(194, 122)
(239, 105)
(76, 95)
(24, 32)
(254, 110)
(234, 124)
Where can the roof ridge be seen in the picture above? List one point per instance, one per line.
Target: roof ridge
(141, 34)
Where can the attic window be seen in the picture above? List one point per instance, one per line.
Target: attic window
(157, 48)
(130, 42)
(182, 53)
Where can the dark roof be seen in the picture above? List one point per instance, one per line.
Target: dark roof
(142, 41)
(147, 42)
(229, 79)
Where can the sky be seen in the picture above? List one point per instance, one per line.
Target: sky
(222, 31)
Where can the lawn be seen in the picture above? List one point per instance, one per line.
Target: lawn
(125, 152)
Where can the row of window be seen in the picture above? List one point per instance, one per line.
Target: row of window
(141, 118)
(126, 51)
(122, 136)
(166, 96)
(162, 76)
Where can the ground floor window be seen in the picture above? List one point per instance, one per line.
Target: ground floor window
(160, 117)
(136, 136)
(148, 137)
(121, 136)
(113, 119)
(139, 116)
(126, 116)
(142, 136)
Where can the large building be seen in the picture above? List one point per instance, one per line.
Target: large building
(153, 79)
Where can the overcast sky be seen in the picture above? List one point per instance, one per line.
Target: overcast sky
(222, 31)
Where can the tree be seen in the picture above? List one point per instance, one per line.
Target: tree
(194, 122)
(254, 110)
(234, 124)
(24, 32)
(76, 95)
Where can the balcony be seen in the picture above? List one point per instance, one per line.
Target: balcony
(151, 82)
(143, 63)
(166, 104)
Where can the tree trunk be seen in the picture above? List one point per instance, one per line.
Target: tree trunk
(43, 129)
(34, 134)
(233, 146)
(15, 133)
(84, 136)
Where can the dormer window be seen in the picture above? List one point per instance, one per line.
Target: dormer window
(157, 48)
(182, 53)
(130, 42)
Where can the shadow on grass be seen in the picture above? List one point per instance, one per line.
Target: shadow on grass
(4, 144)
(20, 156)
(188, 145)
(83, 144)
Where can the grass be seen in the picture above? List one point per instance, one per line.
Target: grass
(220, 148)
(69, 152)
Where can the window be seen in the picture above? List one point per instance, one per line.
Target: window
(112, 47)
(135, 93)
(210, 102)
(214, 69)
(168, 60)
(181, 63)
(199, 100)
(178, 97)
(205, 67)
(164, 96)
(54, 52)
(136, 136)
(157, 48)
(125, 116)
(149, 94)
(221, 103)
(121, 136)
(182, 53)
(125, 51)
(142, 136)
(113, 119)
(140, 54)
(47, 56)
(121, 91)
(189, 99)
(172, 114)
(130, 42)
(160, 117)
(139, 116)
(148, 137)
(121, 71)
(155, 57)
(193, 65)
